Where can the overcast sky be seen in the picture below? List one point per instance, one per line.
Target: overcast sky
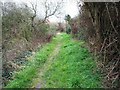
(69, 7)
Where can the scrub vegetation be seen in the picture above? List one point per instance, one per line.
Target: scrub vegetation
(73, 67)
(74, 52)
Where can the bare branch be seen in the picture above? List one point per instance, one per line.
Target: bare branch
(34, 8)
(110, 18)
(51, 8)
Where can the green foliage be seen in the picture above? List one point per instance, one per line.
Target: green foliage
(74, 67)
(82, 34)
(24, 77)
(16, 21)
(43, 28)
(68, 18)
(52, 29)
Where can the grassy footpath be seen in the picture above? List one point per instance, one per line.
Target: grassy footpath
(73, 66)
(24, 77)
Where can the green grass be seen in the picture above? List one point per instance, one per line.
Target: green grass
(73, 68)
(24, 77)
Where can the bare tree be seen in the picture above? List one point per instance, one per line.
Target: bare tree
(34, 9)
(52, 8)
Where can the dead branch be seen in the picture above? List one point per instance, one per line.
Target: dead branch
(110, 19)
(115, 78)
(103, 45)
(34, 8)
(50, 11)
(112, 69)
(110, 43)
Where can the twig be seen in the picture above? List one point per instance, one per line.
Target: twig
(103, 45)
(110, 18)
(112, 69)
(115, 78)
(116, 10)
(110, 43)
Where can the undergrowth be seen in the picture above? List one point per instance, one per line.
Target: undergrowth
(73, 68)
(24, 77)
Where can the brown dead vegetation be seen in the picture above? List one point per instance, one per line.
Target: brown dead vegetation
(103, 36)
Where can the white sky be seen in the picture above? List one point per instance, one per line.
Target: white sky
(69, 7)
